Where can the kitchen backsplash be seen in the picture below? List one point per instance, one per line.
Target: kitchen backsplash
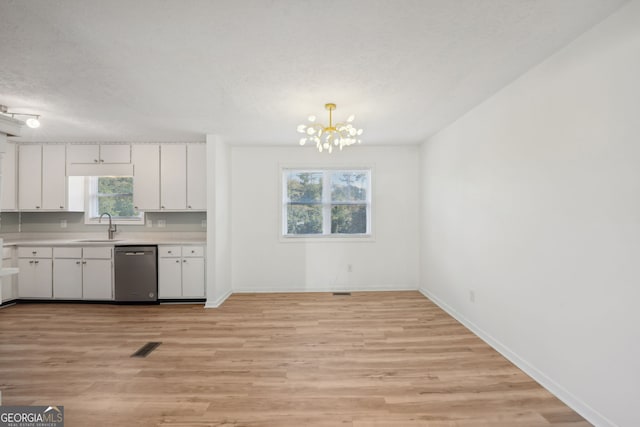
(49, 222)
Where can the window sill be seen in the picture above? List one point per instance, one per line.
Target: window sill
(336, 238)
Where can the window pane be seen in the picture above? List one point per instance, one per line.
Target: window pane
(304, 219)
(304, 187)
(349, 186)
(349, 219)
(115, 196)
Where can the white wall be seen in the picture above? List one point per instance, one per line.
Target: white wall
(262, 262)
(532, 201)
(218, 221)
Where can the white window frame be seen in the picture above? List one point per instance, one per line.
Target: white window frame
(326, 202)
(91, 214)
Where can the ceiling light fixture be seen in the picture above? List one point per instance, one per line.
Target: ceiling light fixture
(33, 121)
(327, 137)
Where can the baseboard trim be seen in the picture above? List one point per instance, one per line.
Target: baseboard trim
(218, 302)
(575, 403)
(321, 290)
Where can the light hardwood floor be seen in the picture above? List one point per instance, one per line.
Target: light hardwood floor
(372, 359)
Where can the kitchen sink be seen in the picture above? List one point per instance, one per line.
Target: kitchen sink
(96, 240)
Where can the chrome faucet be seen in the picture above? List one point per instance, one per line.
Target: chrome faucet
(112, 228)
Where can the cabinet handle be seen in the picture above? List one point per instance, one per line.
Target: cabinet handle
(78, 262)
(193, 252)
(36, 262)
(162, 207)
(189, 206)
(169, 252)
(37, 207)
(31, 262)
(95, 160)
(184, 260)
(101, 160)
(34, 252)
(177, 260)
(84, 262)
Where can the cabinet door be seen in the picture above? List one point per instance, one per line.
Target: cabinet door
(146, 176)
(173, 176)
(54, 186)
(67, 278)
(193, 277)
(96, 279)
(169, 278)
(34, 278)
(83, 153)
(9, 194)
(197, 177)
(30, 177)
(8, 293)
(115, 153)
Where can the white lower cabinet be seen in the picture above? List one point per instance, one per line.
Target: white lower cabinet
(9, 288)
(181, 272)
(35, 272)
(83, 273)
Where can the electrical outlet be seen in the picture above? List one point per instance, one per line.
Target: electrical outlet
(203, 224)
(149, 223)
(349, 268)
(161, 223)
(63, 223)
(472, 296)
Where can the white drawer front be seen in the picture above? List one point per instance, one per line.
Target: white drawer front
(97, 252)
(34, 252)
(169, 251)
(193, 251)
(67, 252)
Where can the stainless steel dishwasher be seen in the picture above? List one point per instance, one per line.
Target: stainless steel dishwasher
(136, 274)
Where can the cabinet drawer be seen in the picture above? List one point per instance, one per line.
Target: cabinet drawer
(97, 252)
(67, 252)
(35, 252)
(169, 251)
(193, 251)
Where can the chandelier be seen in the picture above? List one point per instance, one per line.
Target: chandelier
(327, 137)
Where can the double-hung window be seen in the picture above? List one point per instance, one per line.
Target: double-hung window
(326, 202)
(112, 195)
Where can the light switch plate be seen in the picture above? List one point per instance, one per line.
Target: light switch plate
(63, 223)
(161, 223)
(149, 223)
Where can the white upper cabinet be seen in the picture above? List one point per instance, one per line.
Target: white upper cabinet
(99, 153)
(54, 184)
(30, 177)
(146, 176)
(173, 176)
(83, 153)
(99, 160)
(196, 177)
(115, 153)
(35, 162)
(9, 183)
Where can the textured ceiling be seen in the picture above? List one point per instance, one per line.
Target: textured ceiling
(250, 71)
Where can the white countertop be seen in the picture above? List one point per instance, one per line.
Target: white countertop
(93, 240)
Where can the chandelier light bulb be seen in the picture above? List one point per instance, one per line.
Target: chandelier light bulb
(334, 134)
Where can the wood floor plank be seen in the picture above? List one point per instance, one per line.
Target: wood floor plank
(370, 359)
